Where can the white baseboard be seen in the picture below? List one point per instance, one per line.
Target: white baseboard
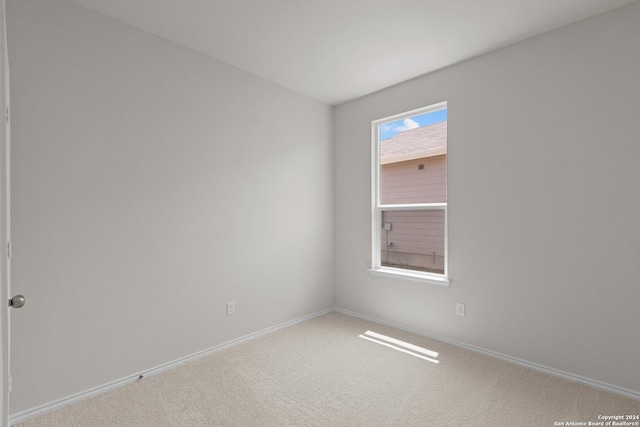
(544, 369)
(21, 416)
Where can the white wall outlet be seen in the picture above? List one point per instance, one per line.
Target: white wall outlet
(231, 308)
(461, 309)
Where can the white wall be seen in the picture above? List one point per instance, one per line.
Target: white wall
(544, 204)
(149, 183)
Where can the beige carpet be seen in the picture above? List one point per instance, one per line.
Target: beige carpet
(322, 373)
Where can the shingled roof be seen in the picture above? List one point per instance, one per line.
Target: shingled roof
(426, 141)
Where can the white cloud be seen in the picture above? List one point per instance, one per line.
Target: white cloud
(407, 124)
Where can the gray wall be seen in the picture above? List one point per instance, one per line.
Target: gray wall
(149, 183)
(544, 204)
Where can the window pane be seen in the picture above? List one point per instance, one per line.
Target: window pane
(413, 240)
(413, 164)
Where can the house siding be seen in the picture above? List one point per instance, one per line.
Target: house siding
(415, 241)
(416, 238)
(404, 182)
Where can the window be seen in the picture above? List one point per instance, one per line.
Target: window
(409, 193)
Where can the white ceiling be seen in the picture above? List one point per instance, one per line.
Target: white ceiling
(337, 50)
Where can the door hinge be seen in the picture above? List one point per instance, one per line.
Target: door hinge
(6, 114)
(10, 383)
(9, 249)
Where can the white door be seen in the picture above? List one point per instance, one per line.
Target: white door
(4, 221)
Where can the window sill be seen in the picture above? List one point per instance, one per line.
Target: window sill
(412, 276)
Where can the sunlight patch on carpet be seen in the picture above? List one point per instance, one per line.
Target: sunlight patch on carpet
(401, 346)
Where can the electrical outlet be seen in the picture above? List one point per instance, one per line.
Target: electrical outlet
(460, 309)
(231, 308)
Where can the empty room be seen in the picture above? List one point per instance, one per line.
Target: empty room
(320, 213)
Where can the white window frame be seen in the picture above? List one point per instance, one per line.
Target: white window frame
(377, 208)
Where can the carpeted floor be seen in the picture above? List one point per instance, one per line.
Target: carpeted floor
(322, 373)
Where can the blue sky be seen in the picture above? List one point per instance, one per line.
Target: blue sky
(388, 130)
